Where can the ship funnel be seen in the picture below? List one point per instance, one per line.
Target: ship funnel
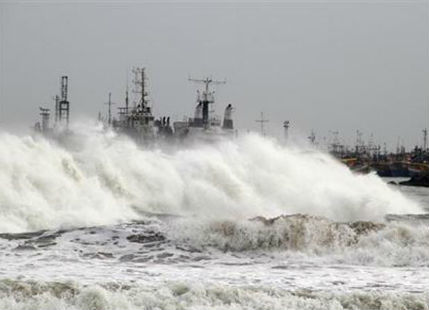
(227, 119)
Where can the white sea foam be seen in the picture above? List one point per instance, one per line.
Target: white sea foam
(299, 236)
(182, 295)
(104, 179)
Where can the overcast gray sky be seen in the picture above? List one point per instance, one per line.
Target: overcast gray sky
(323, 65)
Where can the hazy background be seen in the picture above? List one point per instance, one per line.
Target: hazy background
(322, 65)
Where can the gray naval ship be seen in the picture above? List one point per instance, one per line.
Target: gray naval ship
(137, 120)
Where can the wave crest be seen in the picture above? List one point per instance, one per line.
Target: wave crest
(101, 179)
(360, 242)
(183, 295)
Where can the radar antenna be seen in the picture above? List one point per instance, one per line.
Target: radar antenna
(207, 96)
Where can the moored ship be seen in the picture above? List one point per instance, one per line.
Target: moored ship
(137, 120)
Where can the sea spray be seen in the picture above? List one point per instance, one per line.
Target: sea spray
(99, 178)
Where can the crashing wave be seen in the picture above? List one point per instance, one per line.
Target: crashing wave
(288, 238)
(182, 295)
(359, 242)
(103, 179)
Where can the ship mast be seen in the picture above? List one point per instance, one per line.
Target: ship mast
(109, 103)
(140, 87)
(56, 99)
(262, 121)
(126, 100)
(64, 104)
(207, 97)
(425, 139)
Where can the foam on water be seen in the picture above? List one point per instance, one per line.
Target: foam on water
(292, 262)
(295, 238)
(104, 179)
(183, 295)
(298, 236)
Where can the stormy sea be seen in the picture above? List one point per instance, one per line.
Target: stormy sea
(96, 222)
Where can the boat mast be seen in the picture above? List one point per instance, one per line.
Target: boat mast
(207, 96)
(64, 104)
(140, 86)
(109, 103)
(262, 121)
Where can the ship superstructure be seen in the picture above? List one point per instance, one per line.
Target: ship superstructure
(205, 124)
(136, 119)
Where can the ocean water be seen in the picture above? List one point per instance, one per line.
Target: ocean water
(96, 222)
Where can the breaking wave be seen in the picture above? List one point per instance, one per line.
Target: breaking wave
(183, 295)
(291, 238)
(358, 243)
(98, 178)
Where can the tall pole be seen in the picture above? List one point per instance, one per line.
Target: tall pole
(425, 139)
(359, 142)
(57, 107)
(64, 104)
(126, 101)
(110, 108)
(140, 86)
(109, 103)
(262, 121)
(143, 99)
